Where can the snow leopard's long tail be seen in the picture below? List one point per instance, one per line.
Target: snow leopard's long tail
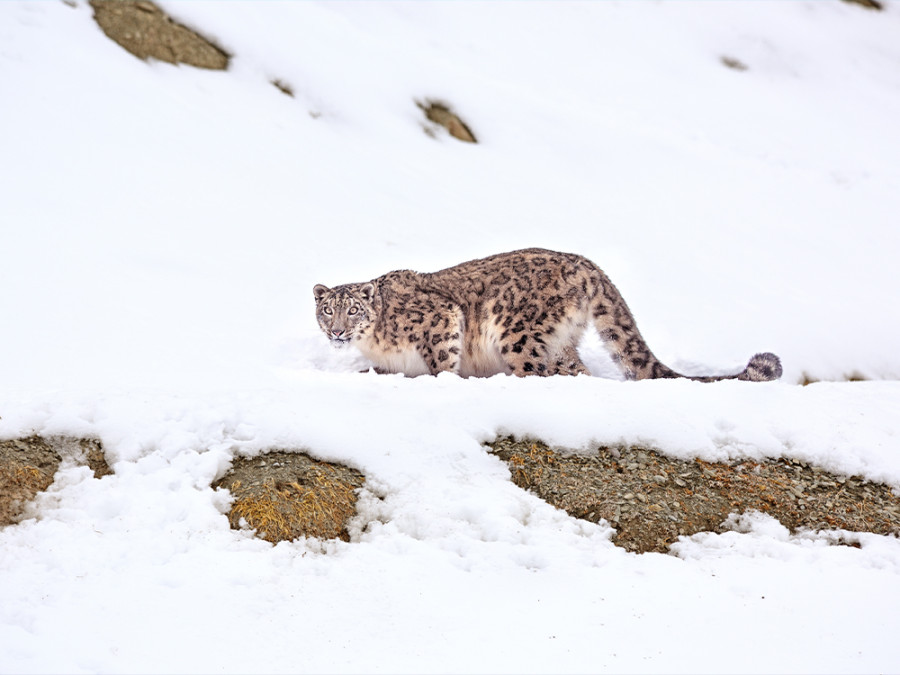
(762, 367)
(626, 345)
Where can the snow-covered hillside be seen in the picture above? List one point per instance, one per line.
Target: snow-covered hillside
(162, 228)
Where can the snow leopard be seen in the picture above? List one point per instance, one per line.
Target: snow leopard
(520, 313)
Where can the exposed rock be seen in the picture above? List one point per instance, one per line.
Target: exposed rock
(652, 499)
(285, 495)
(147, 32)
(284, 87)
(441, 114)
(868, 4)
(733, 63)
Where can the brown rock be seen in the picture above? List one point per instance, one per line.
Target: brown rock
(868, 4)
(440, 113)
(146, 31)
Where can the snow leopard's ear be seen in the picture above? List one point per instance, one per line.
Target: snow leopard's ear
(367, 292)
(319, 291)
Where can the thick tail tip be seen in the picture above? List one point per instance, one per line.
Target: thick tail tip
(762, 368)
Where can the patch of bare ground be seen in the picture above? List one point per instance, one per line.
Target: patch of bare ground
(146, 31)
(806, 379)
(28, 465)
(651, 499)
(733, 63)
(868, 4)
(441, 114)
(285, 495)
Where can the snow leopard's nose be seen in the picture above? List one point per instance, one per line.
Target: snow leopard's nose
(337, 332)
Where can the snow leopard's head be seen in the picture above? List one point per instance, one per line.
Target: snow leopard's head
(345, 312)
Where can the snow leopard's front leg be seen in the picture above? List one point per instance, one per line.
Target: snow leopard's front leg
(442, 336)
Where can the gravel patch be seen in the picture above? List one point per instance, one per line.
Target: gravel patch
(651, 499)
(146, 31)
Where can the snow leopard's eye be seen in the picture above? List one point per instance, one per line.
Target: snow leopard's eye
(352, 311)
(327, 310)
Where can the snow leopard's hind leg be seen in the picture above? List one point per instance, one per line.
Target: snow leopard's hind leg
(568, 362)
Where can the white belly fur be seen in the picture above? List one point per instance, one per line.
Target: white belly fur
(482, 358)
(409, 361)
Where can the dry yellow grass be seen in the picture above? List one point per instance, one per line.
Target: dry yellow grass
(28, 466)
(283, 496)
(18, 485)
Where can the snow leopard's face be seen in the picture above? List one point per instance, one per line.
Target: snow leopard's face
(344, 312)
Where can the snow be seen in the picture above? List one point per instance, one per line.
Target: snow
(163, 228)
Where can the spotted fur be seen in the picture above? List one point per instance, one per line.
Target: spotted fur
(521, 313)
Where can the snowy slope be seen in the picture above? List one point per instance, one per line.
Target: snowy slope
(163, 227)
